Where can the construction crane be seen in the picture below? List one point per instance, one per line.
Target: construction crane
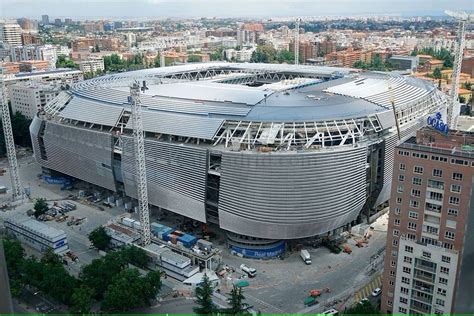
(297, 41)
(454, 107)
(139, 142)
(392, 102)
(17, 191)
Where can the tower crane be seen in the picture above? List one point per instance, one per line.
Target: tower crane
(139, 142)
(297, 41)
(454, 107)
(17, 191)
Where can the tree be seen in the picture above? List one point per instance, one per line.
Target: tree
(99, 238)
(437, 73)
(40, 207)
(204, 297)
(462, 99)
(152, 285)
(135, 256)
(236, 302)
(125, 292)
(97, 50)
(14, 256)
(81, 300)
(362, 308)
(193, 59)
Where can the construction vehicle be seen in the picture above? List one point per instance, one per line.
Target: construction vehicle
(305, 256)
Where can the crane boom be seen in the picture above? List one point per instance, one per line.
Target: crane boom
(17, 191)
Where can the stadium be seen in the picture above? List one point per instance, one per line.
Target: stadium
(268, 152)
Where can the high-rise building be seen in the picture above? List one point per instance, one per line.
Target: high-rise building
(33, 52)
(10, 33)
(45, 19)
(430, 241)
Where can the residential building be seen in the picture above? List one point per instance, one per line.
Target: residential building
(249, 33)
(324, 47)
(244, 54)
(428, 262)
(468, 66)
(33, 65)
(10, 67)
(29, 98)
(432, 64)
(92, 64)
(30, 39)
(348, 57)
(10, 33)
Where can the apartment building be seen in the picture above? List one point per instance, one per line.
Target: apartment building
(10, 33)
(29, 98)
(92, 64)
(430, 241)
(348, 57)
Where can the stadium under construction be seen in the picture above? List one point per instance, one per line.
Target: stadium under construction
(267, 152)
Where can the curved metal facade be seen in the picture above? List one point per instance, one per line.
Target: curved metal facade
(295, 195)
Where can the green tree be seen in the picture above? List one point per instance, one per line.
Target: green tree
(152, 285)
(14, 257)
(156, 62)
(99, 238)
(359, 64)
(40, 207)
(97, 50)
(65, 62)
(467, 85)
(437, 73)
(125, 292)
(264, 54)
(362, 308)
(204, 298)
(193, 59)
(236, 302)
(462, 99)
(377, 63)
(81, 300)
(135, 256)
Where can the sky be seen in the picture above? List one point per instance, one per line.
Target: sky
(224, 8)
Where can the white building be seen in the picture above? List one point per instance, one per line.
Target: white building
(29, 98)
(35, 52)
(10, 33)
(93, 64)
(239, 55)
(36, 234)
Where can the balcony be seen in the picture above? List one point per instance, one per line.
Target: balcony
(422, 299)
(420, 307)
(427, 268)
(423, 289)
(424, 276)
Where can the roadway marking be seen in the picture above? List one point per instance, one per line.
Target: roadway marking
(368, 288)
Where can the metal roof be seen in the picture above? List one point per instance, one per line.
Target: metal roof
(38, 228)
(81, 109)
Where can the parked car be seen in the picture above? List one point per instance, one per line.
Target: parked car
(376, 292)
(251, 272)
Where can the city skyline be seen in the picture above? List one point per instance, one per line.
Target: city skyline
(225, 8)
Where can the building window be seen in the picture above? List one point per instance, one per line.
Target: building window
(399, 188)
(411, 236)
(393, 264)
(435, 196)
(397, 211)
(446, 259)
(433, 207)
(389, 303)
(391, 283)
(414, 203)
(404, 290)
(448, 245)
(403, 300)
(396, 232)
(392, 273)
(451, 224)
(417, 181)
(413, 215)
(431, 230)
(395, 243)
(418, 169)
(406, 270)
(456, 188)
(426, 254)
(411, 225)
(406, 280)
(394, 253)
(402, 310)
(453, 212)
(454, 200)
(396, 222)
(409, 249)
(437, 173)
(443, 281)
(402, 166)
(449, 235)
(407, 259)
(441, 292)
(457, 176)
(401, 177)
(444, 270)
(415, 193)
(440, 302)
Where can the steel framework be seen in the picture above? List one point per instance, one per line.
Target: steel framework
(297, 41)
(453, 109)
(17, 191)
(138, 136)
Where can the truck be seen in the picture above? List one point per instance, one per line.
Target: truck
(305, 256)
(251, 272)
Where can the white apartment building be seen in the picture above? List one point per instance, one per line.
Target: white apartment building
(35, 52)
(10, 33)
(93, 64)
(425, 278)
(29, 98)
(239, 55)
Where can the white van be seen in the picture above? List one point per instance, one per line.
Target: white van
(304, 254)
(331, 311)
(251, 272)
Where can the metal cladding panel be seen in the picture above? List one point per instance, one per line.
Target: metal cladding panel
(176, 176)
(386, 119)
(80, 153)
(180, 125)
(85, 110)
(291, 195)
